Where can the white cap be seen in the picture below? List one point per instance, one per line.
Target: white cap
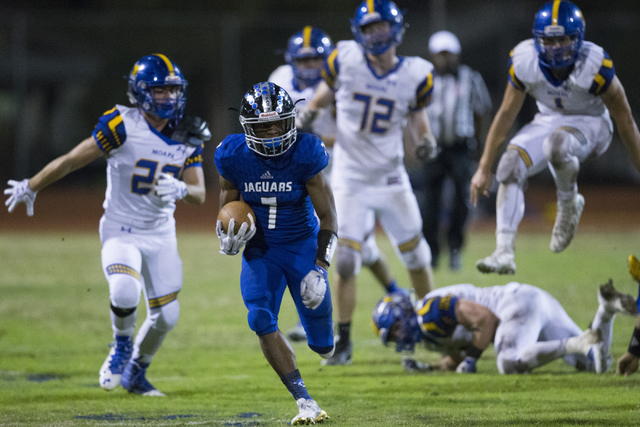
(444, 41)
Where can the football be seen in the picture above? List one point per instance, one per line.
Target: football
(240, 211)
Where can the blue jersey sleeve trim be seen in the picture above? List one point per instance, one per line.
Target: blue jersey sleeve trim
(195, 159)
(331, 68)
(437, 316)
(110, 133)
(424, 91)
(604, 77)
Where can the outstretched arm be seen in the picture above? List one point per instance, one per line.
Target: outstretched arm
(616, 101)
(83, 154)
(500, 127)
(194, 178)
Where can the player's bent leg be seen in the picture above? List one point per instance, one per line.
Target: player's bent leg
(416, 255)
(511, 175)
(125, 295)
(159, 322)
(558, 149)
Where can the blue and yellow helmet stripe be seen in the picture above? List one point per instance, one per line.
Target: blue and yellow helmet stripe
(167, 62)
(554, 12)
(306, 36)
(371, 6)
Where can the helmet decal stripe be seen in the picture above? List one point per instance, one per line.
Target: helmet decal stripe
(306, 36)
(554, 14)
(370, 6)
(167, 63)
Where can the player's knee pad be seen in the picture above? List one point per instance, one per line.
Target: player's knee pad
(166, 317)
(125, 290)
(370, 252)
(417, 257)
(511, 168)
(348, 261)
(261, 321)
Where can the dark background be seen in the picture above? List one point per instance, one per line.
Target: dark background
(63, 63)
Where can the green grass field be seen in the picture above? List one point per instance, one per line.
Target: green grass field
(54, 332)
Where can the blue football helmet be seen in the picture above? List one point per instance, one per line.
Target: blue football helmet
(310, 42)
(153, 71)
(395, 320)
(371, 11)
(555, 19)
(267, 102)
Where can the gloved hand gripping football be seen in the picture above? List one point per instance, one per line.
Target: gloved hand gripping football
(314, 287)
(231, 242)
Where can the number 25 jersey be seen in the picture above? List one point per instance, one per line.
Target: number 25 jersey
(372, 110)
(136, 154)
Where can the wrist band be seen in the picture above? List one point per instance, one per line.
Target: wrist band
(634, 345)
(327, 243)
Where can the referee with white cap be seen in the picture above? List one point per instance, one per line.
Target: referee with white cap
(459, 109)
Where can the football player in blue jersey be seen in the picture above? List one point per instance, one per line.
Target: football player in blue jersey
(528, 327)
(577, 92)
(306, 52)
(279, 173)
(628, 362)
(154, 159)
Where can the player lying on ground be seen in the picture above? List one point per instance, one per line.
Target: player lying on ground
(528, 327)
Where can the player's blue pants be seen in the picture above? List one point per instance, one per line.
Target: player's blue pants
(266, 273)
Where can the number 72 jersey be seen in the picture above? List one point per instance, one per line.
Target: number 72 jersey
(372, 109)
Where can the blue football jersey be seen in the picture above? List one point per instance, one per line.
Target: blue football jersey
(275, 187)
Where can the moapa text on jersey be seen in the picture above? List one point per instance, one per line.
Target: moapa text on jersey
(166, 153)
(267, 187)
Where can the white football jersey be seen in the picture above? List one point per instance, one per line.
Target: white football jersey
(325, 122)
(372, 111)
(489, 297)
(578, 94)
(136, 153)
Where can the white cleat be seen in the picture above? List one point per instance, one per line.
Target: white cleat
(567, 219)
(498, 262)
(310, 413)
(616, 302)
(113, 366)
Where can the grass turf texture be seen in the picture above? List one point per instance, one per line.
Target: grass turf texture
(54, 331)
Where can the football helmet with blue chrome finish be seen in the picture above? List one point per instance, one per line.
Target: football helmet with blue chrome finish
(394, 319)
(265, 103)
(154, 71)
(310, 42)
(558, 19)
(372, 11)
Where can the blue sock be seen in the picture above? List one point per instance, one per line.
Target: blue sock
(392, 287)
(295, 385)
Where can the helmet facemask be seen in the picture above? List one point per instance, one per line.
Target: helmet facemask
(378, 42)
(266, 103)
(395, 321)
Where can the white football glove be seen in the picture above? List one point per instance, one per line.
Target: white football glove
(305, 119)
(429, 149)
(169, 188)
(467, 366)
(314, 287)
(20, 193)
(231, 243)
